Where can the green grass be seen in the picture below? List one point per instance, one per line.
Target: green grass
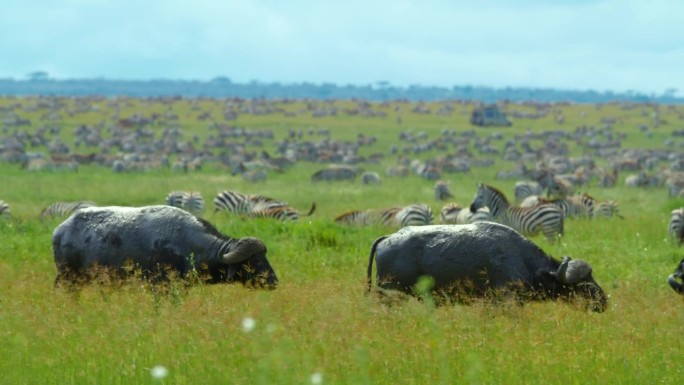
(320, 320)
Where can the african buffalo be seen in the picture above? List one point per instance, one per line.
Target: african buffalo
(673, 278)
(474, 259)
(154, 240)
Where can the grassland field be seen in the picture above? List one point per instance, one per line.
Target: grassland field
(320, 326)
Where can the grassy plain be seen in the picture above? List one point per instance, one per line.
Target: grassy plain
(319, 321)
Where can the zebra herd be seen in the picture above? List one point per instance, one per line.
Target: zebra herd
(533, 215)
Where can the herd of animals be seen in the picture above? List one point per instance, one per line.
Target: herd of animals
(465, 256)
(544, 195)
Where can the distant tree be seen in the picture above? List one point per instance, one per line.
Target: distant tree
(38, 76)
(221, 80)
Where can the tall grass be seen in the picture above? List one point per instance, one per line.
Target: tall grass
(320, 320)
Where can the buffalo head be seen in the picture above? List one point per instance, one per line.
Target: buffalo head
(675, 278)
(573, 279)
(247, 264)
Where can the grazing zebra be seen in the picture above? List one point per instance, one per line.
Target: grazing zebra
(281, 213)
(175, 199)
(4, 209)
(191, 201)
(355, 218)
(397, 171)
(63, 209)
(573, 206)
(676, 221)
(524, 189)
(334, 172)
(418, 214)
(454, 214)
(369, 177)
(607, 209)
(546, 218)
(559, 188)
(480, 215)
(254, 176)
(442, 191)
(239, 203)
(449, 213)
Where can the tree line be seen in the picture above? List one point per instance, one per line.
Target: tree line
(38, 83)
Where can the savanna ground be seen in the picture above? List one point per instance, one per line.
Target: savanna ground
(319, 325)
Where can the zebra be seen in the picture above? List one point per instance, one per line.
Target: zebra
(355, 218)
(607, 209)
(334, 172)
(442, 191)
(175, 199)
(573, 206)
(281, 213)
(674, 228)
(524, 188)
(529, 221)
(4, 209)
(369, 177)
(418, 214)
(480, 215)
(254, 176)
(63, 209)
(449, 213)
(191, 201)
(239, 203)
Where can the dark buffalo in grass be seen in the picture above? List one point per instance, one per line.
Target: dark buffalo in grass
(477, 260)
(156, 241)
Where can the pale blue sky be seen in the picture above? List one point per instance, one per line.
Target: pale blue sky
(616, 45)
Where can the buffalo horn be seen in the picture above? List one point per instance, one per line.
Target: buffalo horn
(243, 249)
(572, 271)
(676, 286)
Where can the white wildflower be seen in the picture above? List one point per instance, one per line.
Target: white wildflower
(159, 372)
(317, 378)
(248, 324)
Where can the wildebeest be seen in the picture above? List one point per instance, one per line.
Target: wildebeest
(475, 259)
(155, 240)
(675, 278)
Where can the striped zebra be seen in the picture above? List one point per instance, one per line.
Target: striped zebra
(370, 177)
(572, 207)
(191, 201)
(442, 191)
(546, 218)
(607, 209)
(175, 199)
(4, 209)
(356, 218)
(450, 212)
(63, 209)
(418, 214)
(480, 215)
(674, 228)
(281, 213)
(525, 188)
(239, 203)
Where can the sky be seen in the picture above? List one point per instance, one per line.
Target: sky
(601, 45)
